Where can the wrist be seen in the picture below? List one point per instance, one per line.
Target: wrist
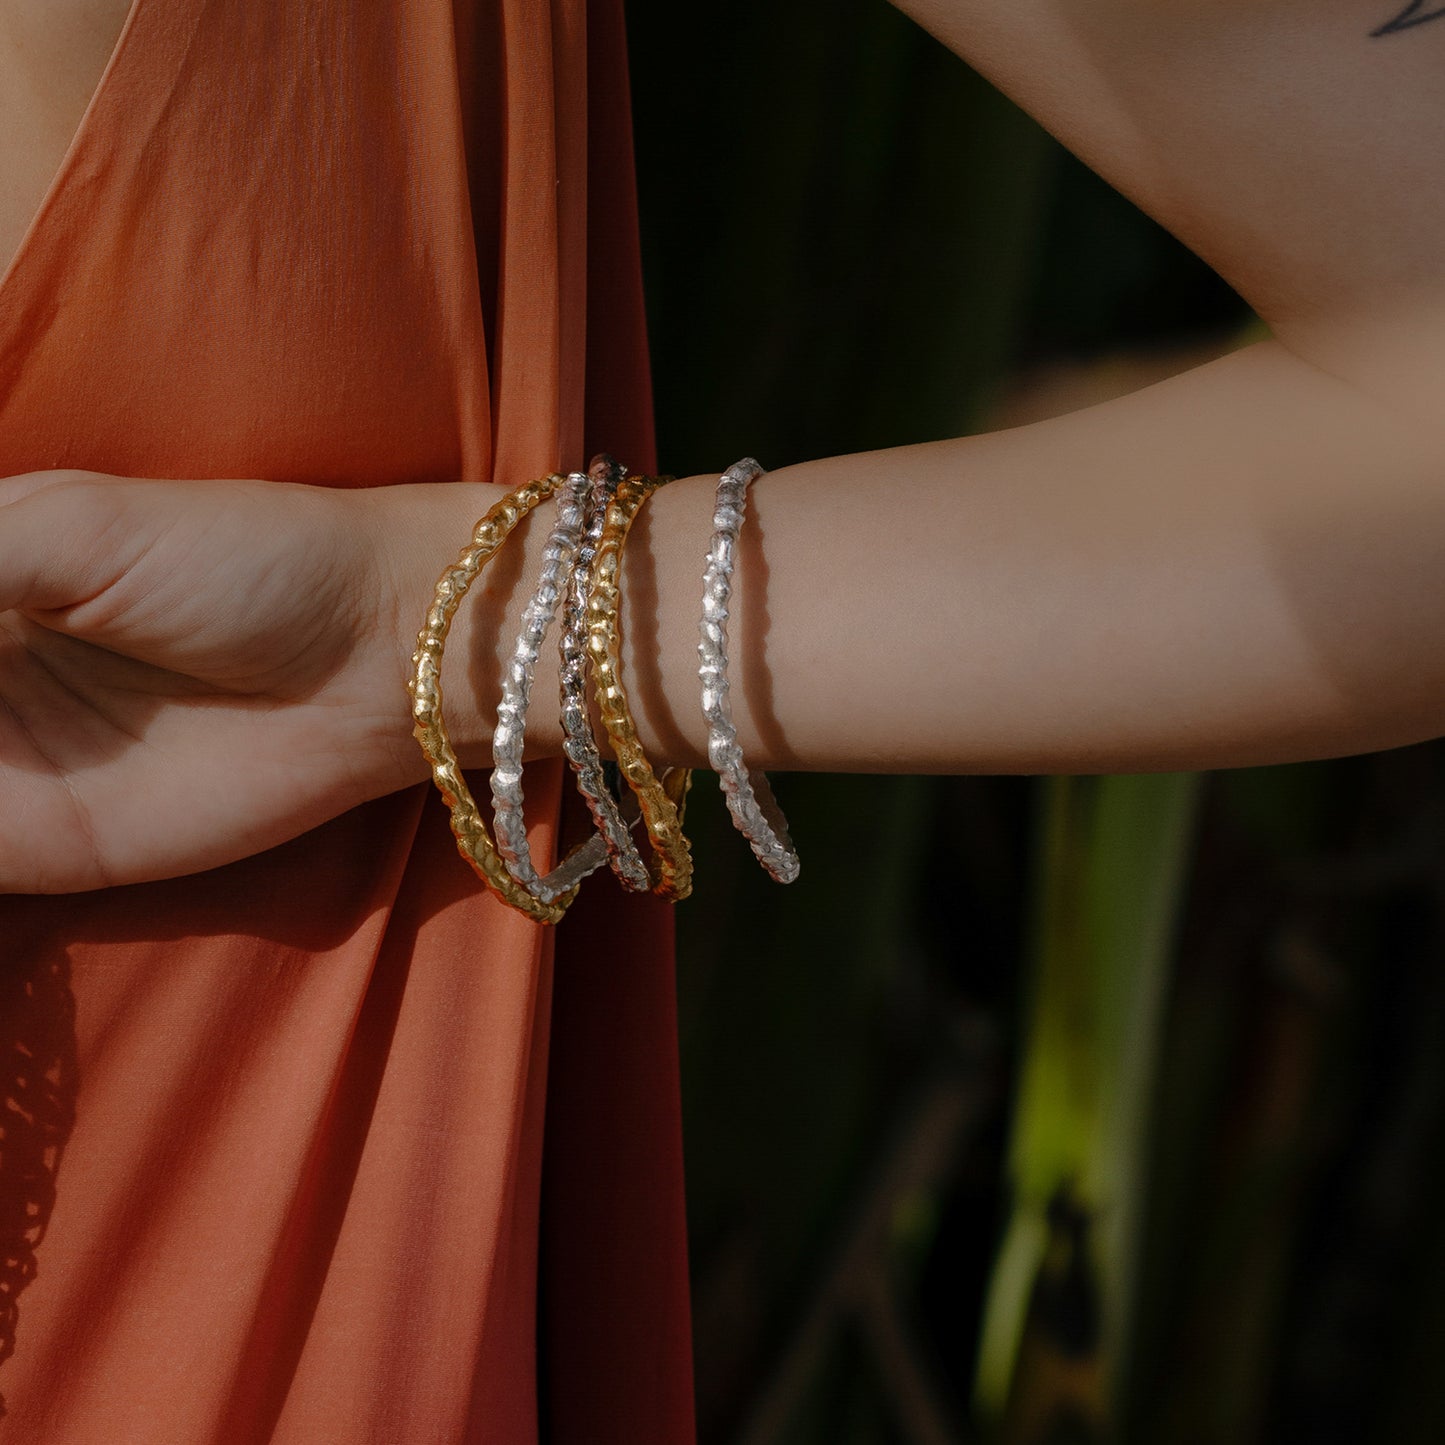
(421, 529)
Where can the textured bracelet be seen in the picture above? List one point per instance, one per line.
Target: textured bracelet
(661, 803)
(749, 798)
(578, 743)
(509, 735)
(424, 685)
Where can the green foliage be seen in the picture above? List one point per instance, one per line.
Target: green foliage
(1108, 888)
(1198, 1017)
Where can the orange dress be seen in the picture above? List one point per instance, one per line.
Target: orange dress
(318, 1147)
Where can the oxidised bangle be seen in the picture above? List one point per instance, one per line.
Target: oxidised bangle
(578, 744)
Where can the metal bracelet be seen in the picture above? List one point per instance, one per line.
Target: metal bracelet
(661, 800)
(424, 686)
(750, 800)
(578, 743)
(509, 735)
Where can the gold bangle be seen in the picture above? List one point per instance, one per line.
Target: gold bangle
(661, 803)
(424, 685)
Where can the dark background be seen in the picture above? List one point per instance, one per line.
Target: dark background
(1180, 1035)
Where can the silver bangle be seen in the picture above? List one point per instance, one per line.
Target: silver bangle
(749, 798)
(509, 737)
(578, 743)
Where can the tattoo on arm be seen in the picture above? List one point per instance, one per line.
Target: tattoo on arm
(1417, 12)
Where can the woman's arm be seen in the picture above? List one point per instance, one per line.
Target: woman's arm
(1290, 143)
(1235, 566)
(1238, 565)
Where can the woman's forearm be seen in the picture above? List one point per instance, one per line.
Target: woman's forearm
(1237, 566)
(1234, 566)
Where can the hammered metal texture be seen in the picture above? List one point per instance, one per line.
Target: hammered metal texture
(660, 804)
(750, 800)
(424, 686)
(578, 744)
(510, 734)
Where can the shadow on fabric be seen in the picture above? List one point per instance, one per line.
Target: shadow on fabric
(38, 1079)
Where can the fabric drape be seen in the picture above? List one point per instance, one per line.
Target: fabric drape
(293, 1148)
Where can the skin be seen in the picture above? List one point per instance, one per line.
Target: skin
(52, 53)
(1234, 566)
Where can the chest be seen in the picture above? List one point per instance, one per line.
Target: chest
(52, 55)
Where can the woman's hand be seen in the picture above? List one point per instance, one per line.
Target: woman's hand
(191, 672)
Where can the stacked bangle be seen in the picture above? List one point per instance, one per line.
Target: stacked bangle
(579, 746)
(509, 735)
(661, 805)
(581, 570)
(424, 685)
(750, 800)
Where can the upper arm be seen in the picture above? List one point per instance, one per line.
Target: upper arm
(1293, 144)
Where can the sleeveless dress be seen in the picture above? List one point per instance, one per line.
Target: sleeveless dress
(318, 1147)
